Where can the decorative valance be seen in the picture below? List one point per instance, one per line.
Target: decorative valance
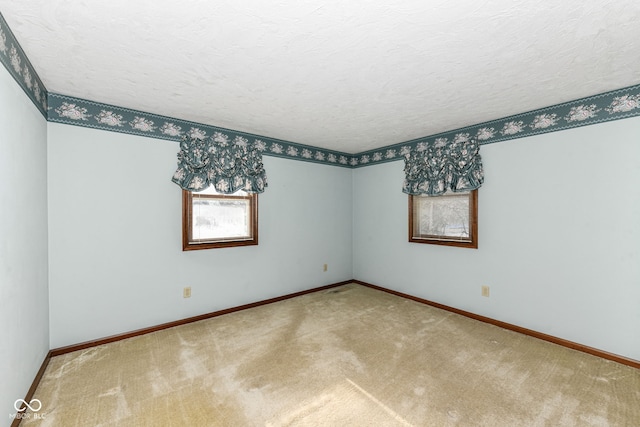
(434, 168)
(228, 165)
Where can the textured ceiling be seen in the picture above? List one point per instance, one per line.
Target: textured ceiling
(343, 75)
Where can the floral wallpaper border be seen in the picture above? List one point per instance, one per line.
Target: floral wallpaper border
(16, 62)
(613, 105)
(608, 106)
(80, 112)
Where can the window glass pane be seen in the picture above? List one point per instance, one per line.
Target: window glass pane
(220, 219)
(212, 220)
(446, 216)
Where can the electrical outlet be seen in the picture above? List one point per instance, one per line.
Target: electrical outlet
(186, 292)
(324, 268)
(485, 291)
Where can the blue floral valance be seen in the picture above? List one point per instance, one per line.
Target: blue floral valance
(228, 165)
(435, 168)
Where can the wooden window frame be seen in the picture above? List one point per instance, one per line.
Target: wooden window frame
(471, 242)
(189, 244)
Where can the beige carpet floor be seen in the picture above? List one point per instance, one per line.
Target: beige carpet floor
(348, 356)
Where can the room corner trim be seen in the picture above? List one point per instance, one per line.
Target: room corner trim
(34, 385)
(535, 334)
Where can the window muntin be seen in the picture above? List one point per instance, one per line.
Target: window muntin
(450, 219)
(214, 220)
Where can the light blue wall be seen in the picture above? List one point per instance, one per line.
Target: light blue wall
(24, 313)
(558, 252)
(558, 237)
(115, 236)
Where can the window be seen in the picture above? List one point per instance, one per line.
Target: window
(450, 219)
(214, 220)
